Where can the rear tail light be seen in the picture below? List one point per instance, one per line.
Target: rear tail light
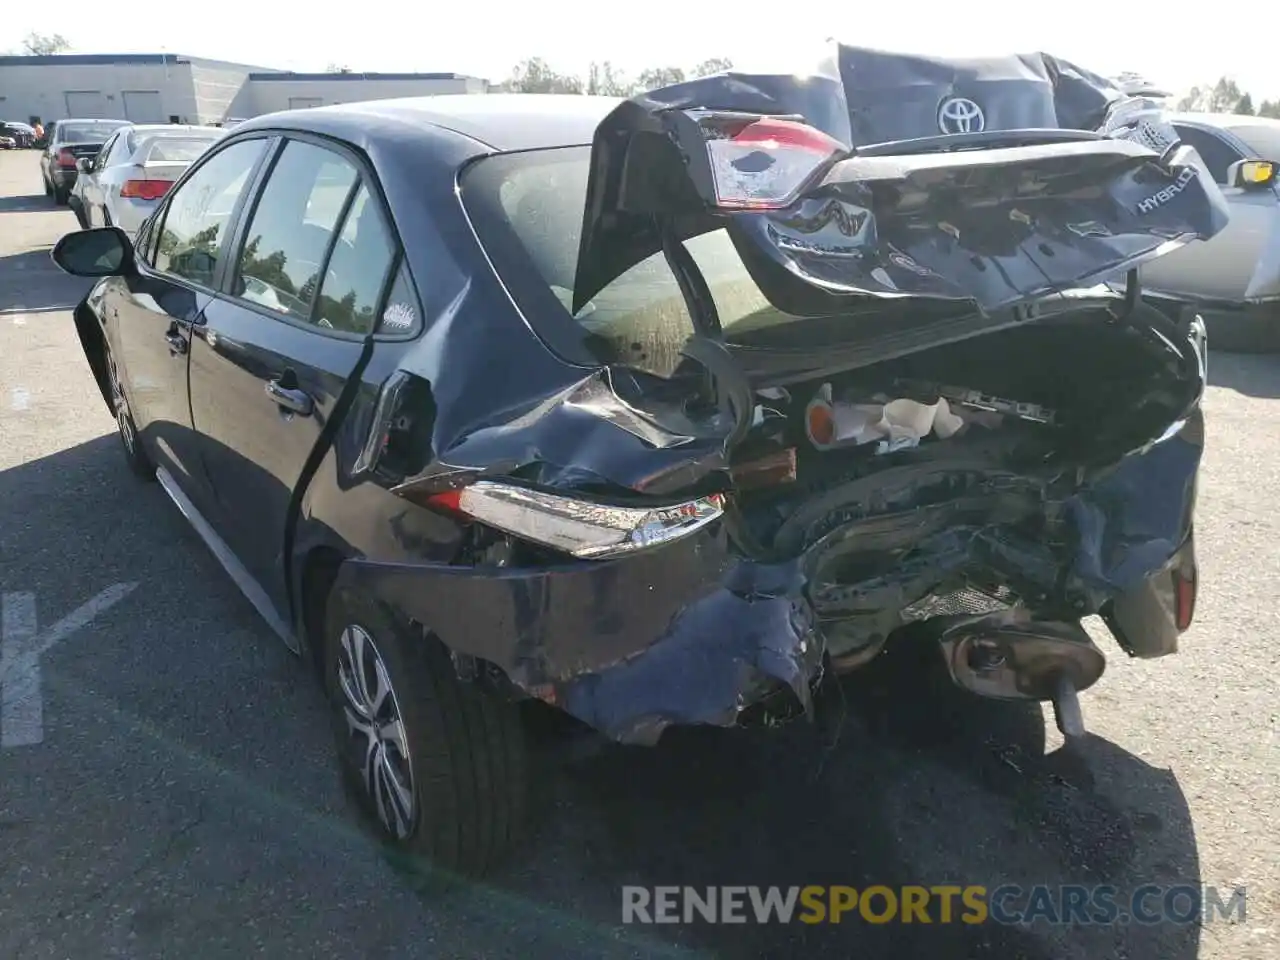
(145, 189)
(66, 158)
(581, 528)
(763, 163)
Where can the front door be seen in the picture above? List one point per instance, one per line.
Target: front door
(271, 364)
(152, 315)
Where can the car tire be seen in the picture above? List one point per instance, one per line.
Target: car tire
(140, 464)
(453, 754)
(61, 196)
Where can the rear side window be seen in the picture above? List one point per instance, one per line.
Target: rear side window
(1217, 154)
(288, 237)
(318, 248)
(357, 271)
(527, 209)
(196, 219)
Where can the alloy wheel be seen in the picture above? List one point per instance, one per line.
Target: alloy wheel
(376, 731)
(121, 407)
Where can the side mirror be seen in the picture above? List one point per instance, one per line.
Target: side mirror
(101, 252)
(1251, 174)
(84, 164)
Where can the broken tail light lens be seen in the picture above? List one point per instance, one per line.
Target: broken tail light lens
(581, 528)
(763, 163)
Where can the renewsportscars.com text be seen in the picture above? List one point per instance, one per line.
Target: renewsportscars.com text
(941, 903)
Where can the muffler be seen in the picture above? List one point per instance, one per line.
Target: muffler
(1009, 656)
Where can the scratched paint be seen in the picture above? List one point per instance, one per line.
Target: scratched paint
(22, 644)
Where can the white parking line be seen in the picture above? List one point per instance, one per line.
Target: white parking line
(22, 645)
(19, 398)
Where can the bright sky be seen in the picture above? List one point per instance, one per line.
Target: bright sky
(1172, 44)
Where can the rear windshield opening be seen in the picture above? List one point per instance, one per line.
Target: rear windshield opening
(177, 150)
(527, 209)
(86, 132)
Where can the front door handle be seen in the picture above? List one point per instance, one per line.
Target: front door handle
(177, 343)
(290, 398)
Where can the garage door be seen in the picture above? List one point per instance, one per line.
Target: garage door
(302, 103)
(143, 106)
(86, 104)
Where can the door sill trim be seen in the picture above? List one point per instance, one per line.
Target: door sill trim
(250, 587)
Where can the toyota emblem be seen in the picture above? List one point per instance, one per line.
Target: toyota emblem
(960, 115)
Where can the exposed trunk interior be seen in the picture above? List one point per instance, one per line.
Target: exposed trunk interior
(974, 521)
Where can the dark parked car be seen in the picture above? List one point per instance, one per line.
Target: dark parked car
(17, 135)
(69, 141)
(660, 430)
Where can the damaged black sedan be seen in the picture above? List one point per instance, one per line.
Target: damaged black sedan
(661, 409)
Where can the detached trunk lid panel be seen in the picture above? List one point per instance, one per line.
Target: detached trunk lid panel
(995, 217)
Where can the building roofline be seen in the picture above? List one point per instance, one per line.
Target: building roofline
(284, 75)
(122, 59)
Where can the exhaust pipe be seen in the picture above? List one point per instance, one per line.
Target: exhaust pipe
(1009, 656)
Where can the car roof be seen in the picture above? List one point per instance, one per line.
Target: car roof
(152, 129)
(501, 121)
(1225, 121)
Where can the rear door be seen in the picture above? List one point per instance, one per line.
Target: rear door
(151, 315)
(283, 340)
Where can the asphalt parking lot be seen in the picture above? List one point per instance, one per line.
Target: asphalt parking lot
(167, 790)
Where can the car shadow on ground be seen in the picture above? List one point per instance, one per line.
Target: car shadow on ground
(30, 282)
(901, 783)
(918, 787)
(36, 202)
(1255, 374)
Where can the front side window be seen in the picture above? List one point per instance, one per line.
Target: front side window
(290, 232)
(200, 211)
(1217, 154)
(527, 208)
(86, 131)
(100, 159)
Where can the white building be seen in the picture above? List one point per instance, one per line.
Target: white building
(166, 87)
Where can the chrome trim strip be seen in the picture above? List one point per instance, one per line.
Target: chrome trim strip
(243, 578)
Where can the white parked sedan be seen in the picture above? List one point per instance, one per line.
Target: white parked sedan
(125, 182)
(1234, 279)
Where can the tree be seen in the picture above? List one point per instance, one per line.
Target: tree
(712, 65)
(656, 77)
(1223, 97)
(604, 80)
(42, 45)
(536, 76)
(1269, 108)
(1244, 105)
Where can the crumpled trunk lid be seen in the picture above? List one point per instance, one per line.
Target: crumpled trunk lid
(994, 215)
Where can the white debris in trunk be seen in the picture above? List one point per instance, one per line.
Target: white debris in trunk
(895, 425)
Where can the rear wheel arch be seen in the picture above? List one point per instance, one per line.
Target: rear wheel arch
(318, 572)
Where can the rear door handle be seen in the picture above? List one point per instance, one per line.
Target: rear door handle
(290, 398)
(177, 343)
